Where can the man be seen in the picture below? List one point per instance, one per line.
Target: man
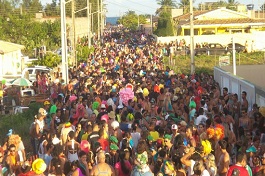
(244, 103)
(102, 168)
(94, 136)
(189, 136)
(201, 118)
(240, 167)
(225, 94)
(12, 160)
(224, 159)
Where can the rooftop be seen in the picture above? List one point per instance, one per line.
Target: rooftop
(7, 47)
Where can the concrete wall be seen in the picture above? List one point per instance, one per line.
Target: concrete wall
(223, 39)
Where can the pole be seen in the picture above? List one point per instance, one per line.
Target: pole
(101, 17)
(234, 56)
(151, 24)
(192, 63)
(138, 22)
(64, 43)
(98, 20)
(89, 24)
(74, 37)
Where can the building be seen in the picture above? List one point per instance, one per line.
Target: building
(218, 21)
(10, 59)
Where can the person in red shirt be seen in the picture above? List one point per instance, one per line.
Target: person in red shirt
(240, 167)
(104, 143)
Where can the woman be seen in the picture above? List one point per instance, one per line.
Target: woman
(82, 169)
(123, 167)
(210, 164)
(169, 169)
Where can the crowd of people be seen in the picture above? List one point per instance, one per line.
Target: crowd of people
(124, 113)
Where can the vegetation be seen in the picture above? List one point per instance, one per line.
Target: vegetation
(131, 20)
(20, 124)
(204, 63)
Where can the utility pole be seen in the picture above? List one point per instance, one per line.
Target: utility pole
(74, 37)
(98, 20)
(138, 22)
(234, 55)
(192, 63)
(89, 24)
(64, 43)
(151, 20)
(102, 21)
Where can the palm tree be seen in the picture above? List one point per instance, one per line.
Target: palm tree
(185, 4)
(232, 4)
(166, 5)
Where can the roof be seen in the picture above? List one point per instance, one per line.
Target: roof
(7, 47)
(226, 21)
(186, 16)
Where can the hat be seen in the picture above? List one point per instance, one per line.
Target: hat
(39, 166)
(150, 138)
(42, 112)
(84, 145)
(183, 123)
(103, 106)
(112, 114)
(105, 117)
(251, 149)
(120, 106)
(174, 127)
(115, 124)
(67, 125)
(175, 98)
(46, 103)
(114, 147)
(113, 139)
(167, 136)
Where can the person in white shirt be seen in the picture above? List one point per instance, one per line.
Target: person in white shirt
(201, 118)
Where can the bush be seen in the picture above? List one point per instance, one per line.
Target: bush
(20, 124)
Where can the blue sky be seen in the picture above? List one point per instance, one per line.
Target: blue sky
(119, 7)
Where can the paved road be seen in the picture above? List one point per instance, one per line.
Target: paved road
(252, 73)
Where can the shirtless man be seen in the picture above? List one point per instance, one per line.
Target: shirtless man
(244, 102)
(102, 168)
(224, 159)
(244, 121)
(161, 98)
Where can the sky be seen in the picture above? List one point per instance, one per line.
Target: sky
(119, 7)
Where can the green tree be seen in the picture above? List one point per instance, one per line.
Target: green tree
(185, 5)
(166, 5)
(52, 9)
(232, 4)
(130, 20)
(50, 60)
(83, 52)
(165, 25)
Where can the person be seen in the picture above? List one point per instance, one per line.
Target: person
(123, 167)
(224, 159)
(189, 160)
(240, 167)
(210, 164)
(244, 102)
(12, 160)
(199, 169)
(72, 147)
(201, 118)
(102, 168)
(169, 169)
(83, 169)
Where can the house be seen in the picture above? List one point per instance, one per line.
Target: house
(10, 59)
(218, 21)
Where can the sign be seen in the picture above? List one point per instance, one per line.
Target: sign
(224, 60)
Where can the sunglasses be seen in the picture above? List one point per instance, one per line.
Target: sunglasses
(12, 150)
(166, 140)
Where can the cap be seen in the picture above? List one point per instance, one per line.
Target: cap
(150, 138)
(251, 149)
(120, 106)
(42, 112)
(46, 103)
(174, 127)
(115, 124)
(167, 136)
(113, 139)
(103, 106)
(114, 147)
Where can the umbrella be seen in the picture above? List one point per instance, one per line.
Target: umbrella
(21, 82)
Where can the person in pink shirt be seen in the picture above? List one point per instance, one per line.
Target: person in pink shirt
(123, 167)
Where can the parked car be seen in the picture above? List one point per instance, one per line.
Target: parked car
(212, 49)
(30, 72)
(239, 48)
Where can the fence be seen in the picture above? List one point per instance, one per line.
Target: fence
(237, 84)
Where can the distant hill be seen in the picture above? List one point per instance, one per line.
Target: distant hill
(112, 20)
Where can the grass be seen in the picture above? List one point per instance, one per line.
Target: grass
(20, 124)
(204, 63)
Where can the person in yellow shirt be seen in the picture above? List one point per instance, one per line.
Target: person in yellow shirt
(153, 133)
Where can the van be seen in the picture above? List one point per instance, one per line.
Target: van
(30, 72)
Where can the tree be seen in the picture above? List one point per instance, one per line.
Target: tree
(165, 5)
(130, 20)
(185, 5)
(50, 60)
(165, 26)
(232, 4)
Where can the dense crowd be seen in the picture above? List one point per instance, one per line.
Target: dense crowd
(124, 113)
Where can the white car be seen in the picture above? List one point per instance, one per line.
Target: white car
(30, 72)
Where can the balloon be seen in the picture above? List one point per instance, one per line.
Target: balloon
(126, 94)
(145, 92)
(3, 81)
